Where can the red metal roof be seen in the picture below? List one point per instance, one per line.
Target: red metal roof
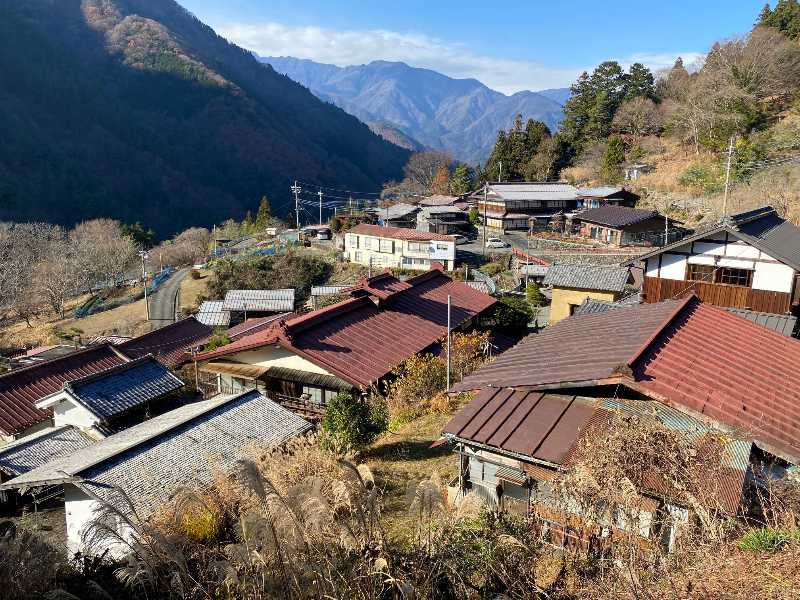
(399, 233)
(730, 370)
(684, 353)
(251, 326)
(361, 339)
(169, 344)
(21, 389)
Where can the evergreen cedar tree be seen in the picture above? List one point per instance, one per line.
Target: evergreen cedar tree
(613, 158)
(785, 17)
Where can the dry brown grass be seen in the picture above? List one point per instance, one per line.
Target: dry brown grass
(192, 289)
(129, 319)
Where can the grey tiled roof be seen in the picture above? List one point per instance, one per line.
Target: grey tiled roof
(783, 324)
(588, 277)
(118, 389)
(616, 216)
(534, 191)
(395, 211)
(281, 300)
(40, 448)
(183, 447)
(212, 314)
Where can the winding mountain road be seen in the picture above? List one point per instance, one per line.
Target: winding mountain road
(162, 303)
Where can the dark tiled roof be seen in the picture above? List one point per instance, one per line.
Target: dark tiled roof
(21, 389)
(399, 233)
(40, 448)
(616, 216)
(761, 227)
(181, 448)
(591, 305)
(126, 386)
(361, 339)
(588, 277)
(783, 324)
(169, 344)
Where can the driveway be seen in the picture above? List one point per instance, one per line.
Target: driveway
(162, 303)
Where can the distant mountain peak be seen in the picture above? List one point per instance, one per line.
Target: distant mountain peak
(460, 116)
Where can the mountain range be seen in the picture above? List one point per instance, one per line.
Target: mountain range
(460, 116)
(136, 110)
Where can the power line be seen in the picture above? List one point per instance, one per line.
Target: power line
(316, 185)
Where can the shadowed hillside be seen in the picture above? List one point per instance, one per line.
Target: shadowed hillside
(134, 109)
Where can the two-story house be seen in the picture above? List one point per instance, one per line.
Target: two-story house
(395, 247)
(520, 204)
(749, 260)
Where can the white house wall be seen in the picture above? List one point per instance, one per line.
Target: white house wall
(769, 274)
(278, 357)
(69, 413)
(80, 510)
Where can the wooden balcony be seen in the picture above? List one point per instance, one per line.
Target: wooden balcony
(656, 289)
(305, 408)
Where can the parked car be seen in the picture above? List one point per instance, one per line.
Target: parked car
(495, 242)
(460, 239)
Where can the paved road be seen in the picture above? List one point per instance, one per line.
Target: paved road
(162, 303)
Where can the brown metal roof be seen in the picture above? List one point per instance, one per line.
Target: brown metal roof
(578, 349)
(169, 344)
(399, 233)
(540, 425)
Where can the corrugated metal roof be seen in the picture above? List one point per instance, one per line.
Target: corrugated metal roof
(281, 300)
(183, 447)
(40, 448)
(616, 216)
(213, 314)
(600, 192)
(319, 379)
(481, 286)
(108, 339)
(169, 344)
(328, 290)
(394, 211)
(588, 277)
(22, 388)
(123, 387)
(360, 341)
(783, 324)
(399, 233)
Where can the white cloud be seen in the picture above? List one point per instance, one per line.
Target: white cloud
(345, 48)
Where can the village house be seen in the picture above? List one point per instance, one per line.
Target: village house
(442, 219)
(572, 284)
(622, 226)
(141, 468)
(748, 260)
(396, 215)
(606, 196)
(525, 204)
(172, 345)
(305, 360)
(692, 367)
(241, 304)
(394, 247)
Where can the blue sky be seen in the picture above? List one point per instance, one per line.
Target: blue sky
(509, 46)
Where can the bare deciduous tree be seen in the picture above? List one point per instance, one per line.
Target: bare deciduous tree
(103, 250)
(186, 248)
(422, 168)
(60, 274)
(637, 117)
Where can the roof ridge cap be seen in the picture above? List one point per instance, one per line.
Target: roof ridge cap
(682, 304)
(302, 322)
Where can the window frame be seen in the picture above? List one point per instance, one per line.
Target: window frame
(708, 275)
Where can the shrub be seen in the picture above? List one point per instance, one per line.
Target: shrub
(195, 274)
(768, 539)
(532, 294)
(417, 380)
(467, 352)
(703, 177)
(492, 269)
(218, 339)
(351, 424)
(513, 313)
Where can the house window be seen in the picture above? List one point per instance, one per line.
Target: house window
(352, 241)
(700, 273)
(314, 393)
(743, 277)
(441, 246)
(358, 256)
(417, 247)
(387, 246)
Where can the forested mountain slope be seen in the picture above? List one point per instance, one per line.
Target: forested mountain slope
(134, 109)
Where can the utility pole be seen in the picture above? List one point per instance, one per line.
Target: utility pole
(448, 341)
(143, 255)
(319, 193)
(727, 178)
(485, 186)
(296, 189)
